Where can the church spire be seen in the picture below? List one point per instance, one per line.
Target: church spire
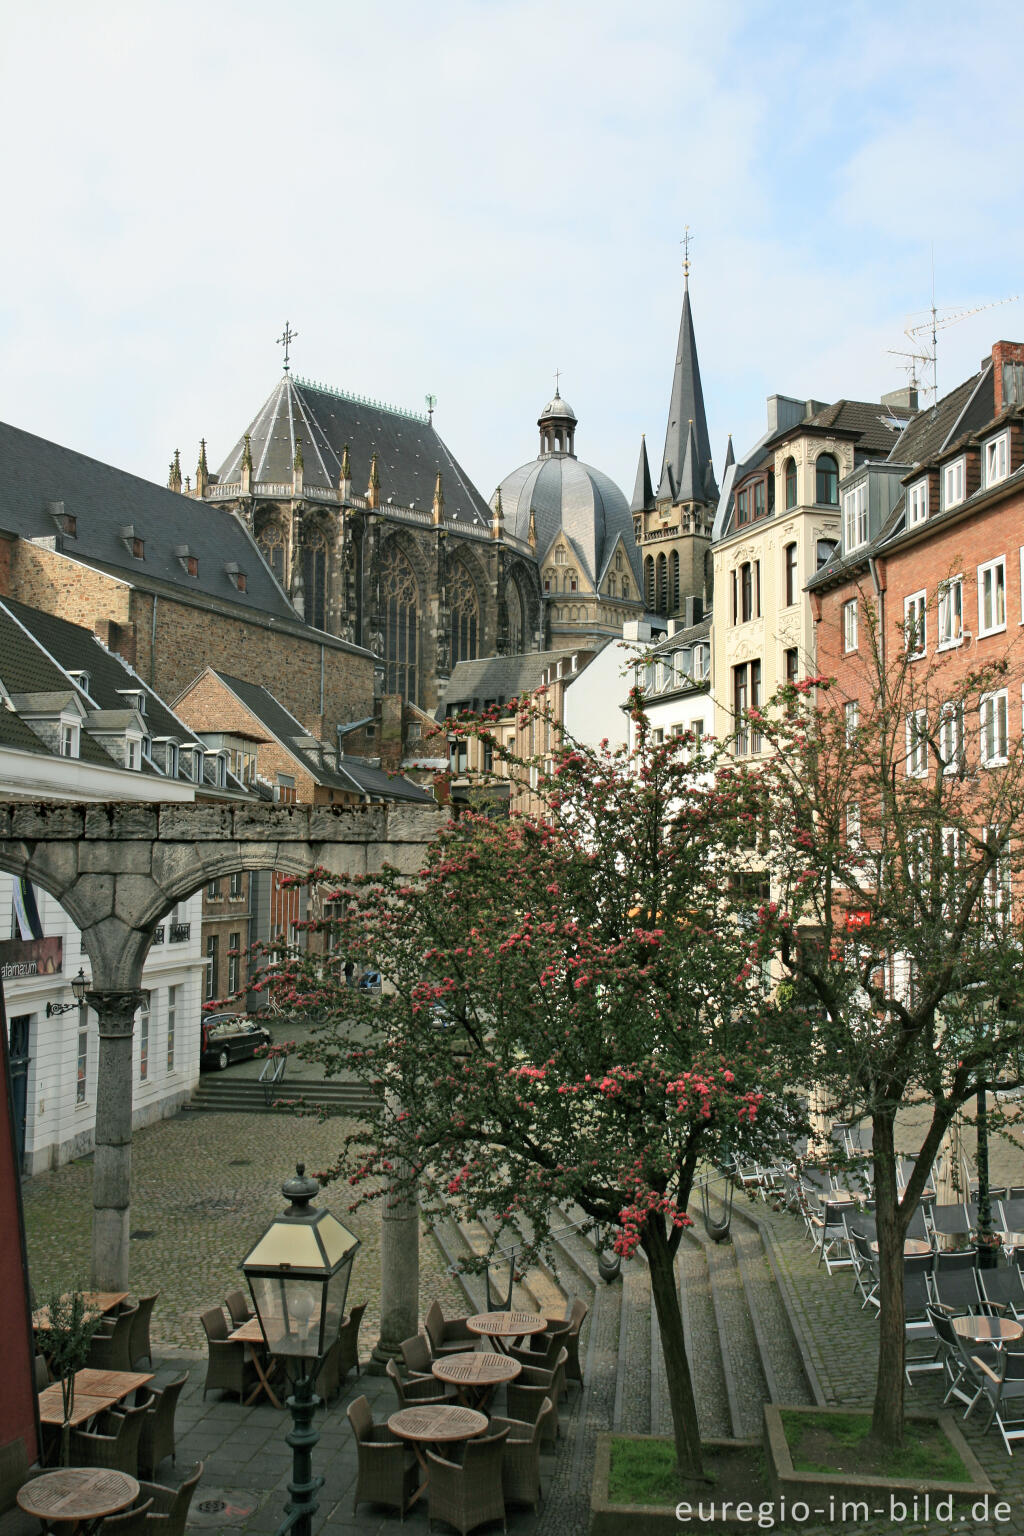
(643, 495)
(730, 457)
(174, 478)
(686, 408)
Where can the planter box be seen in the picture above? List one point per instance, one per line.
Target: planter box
(608, 1519)
(826, 1492)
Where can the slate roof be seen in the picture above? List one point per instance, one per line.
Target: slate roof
(966, 408)
(409, 450)
(103, 500)
(686, 405)
(473, 683)
(350, 774)
(566, 495)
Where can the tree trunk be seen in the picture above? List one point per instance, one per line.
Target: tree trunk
(887, 1412)
(664, 1287)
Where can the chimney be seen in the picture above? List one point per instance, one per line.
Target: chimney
(904, 399)
(1007, 374)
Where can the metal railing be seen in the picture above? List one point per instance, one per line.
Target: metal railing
(271, 1075)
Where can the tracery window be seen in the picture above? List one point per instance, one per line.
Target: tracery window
(514, 612)
(649, 581)
(399, 602)
(673, 567)
(465, 614)
(314, 578)
(661, 583)
(271, 543)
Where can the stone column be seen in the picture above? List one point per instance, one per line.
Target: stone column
(399, 1278)
(112, 1164)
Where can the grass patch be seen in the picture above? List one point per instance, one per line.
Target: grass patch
(644, 1472)
(839, 1442)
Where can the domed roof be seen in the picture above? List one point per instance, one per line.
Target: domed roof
(559, 408)
(566, 495)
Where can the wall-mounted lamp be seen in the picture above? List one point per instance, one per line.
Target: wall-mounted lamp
(79, 985)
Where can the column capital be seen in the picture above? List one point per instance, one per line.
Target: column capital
(115, 1010)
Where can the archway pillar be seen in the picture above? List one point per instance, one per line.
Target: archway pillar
(112, 1163)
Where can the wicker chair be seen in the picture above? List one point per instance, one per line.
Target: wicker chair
(447, 1336)
(343, 1355)
(532, 1400)
(42, 1371)
(157, 1439)
(131, 1523)
(170, 1505)
(387, 1471)
(417, 1356)
(239, 1310)
(520, 1466)
(229, 1368)
(113, 1351)
(14, 1474)
(471, 1494)
(139, 1347)
(420, 1389)
(571, 1339)
(115, 1444)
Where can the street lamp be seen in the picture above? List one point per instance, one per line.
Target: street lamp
(79, 985)
(298, 1276)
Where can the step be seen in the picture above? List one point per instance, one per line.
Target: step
(745, 1387)
(702, 1344)
(632, 1402)
(781, 1360)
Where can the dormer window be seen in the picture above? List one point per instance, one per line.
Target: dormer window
(65, 522)
(953, 483)
(167, 755)
(81, 680)
(236, 576)
(133, 544)
(70, 737)
(997, 458)
(917, 503)
(134, 698)
(855, 516)
(220, 770)
(187, 560)
(132, 751)
(194, 761)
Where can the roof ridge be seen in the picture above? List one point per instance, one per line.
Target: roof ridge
(345, 394)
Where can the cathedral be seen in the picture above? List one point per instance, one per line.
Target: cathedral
(375, 533)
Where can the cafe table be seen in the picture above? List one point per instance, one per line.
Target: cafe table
(988, 1330)
(433, 1425)
(251, 1334)
(476, 1374)
(79, 1497)
(95, 1391)
(97, 1304)
(913, 1247)
(498, 1326)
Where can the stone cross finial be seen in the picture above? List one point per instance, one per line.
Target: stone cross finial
(285, 340)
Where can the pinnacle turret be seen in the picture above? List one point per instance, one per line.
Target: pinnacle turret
(643, 492)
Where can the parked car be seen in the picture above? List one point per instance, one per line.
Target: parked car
(230, 1037)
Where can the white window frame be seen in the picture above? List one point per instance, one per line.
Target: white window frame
(853, 838)
(997, 458)
(172, 1021)
(951, 737)
(850, 625)
(995, 728)
(70, 737)
(992, 596)
(954, 481)
(145, 1019)
(917, 502)
(855, 517)
(917, 744)
(133, 752)
(951, 613)
(915, 624)
(82, 1065)
(851, 720)
(997, 881)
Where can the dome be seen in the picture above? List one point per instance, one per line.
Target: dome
(566, 495)
(557, 408)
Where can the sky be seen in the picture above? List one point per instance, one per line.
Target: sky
(460, 197)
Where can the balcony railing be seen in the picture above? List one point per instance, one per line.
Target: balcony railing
(158, 934)
(180, 932)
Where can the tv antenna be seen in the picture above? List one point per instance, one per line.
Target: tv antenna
(929, 328)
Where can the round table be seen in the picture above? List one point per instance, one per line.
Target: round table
(435, 1424)
(505, 1325)
(78, 1496)
(913, 1247)
(475, 1374)
(988, 1330)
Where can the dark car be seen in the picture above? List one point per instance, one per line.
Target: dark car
(230, 1037)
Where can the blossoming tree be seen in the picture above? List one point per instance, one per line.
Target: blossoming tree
(568, 1015)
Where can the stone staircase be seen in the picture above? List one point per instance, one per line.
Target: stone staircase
(218, 1091)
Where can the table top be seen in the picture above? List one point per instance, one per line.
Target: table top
(837, 1197)
(502, 1324)
(77, 1493)
(982, 1329)
(437, 1422)
(247, 1333)
(94, 1391)
(913, 1247)
(97, 1303)
(476, 1368)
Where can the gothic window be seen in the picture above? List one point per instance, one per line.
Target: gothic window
(314, 578)
(674, 581)
(649, 582)
(514, 610)
(271, 543)
(465, 614)
(561, 555)
(398, 599)
(661, 586)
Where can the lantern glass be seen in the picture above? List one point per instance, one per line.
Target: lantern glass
(291, 1313)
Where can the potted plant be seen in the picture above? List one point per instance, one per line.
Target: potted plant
(66, 1348)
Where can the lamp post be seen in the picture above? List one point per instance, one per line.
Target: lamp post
(79, 987)
(298, 1276)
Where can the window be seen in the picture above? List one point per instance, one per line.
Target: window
(746, 693)
(82, 1076)
(997, 881)
(993, 728)
(917, 502)
(917, 744)
(951, 612)
(701, 658)
(458, 755)
(465, 614)
(953, 483)
(790, 553)
(561, 555)
(144, 1038)
(69, 738)
(823, 552)
(992, 597)
(851, 720)
(914, 636)
(697, 727)
(792, 664)
(855, 516)
(759, 496)
(213, 891)
(742, 507)
(488, 746)
(826, 482)
(997, 458)
(750, 590)
(284, 789)
(951, 737)
(850, 625)
(789, 470)
(211, 967)
(172, 1025)
(234, 958)
(133, 752)
(235, 887)
(853, 826)
(658, 738)
(399, 596)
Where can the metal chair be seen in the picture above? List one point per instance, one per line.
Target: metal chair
(157, 1439)
(918, 1329)
(830, 1237)
(228, 1368)
(112, 1351)
(1003, 1384)
(949, 1263)
(139, 1346)
(386, 1467)
(957, 1364)
(957, 1290)
(951, 1220)
(865, 1271)
(116, 1443)
(471, 1494)
(447, 1336)
(239, 1310)
(1004, 1287)
(917, 1263)
(170, 1505)
(520, 1465)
